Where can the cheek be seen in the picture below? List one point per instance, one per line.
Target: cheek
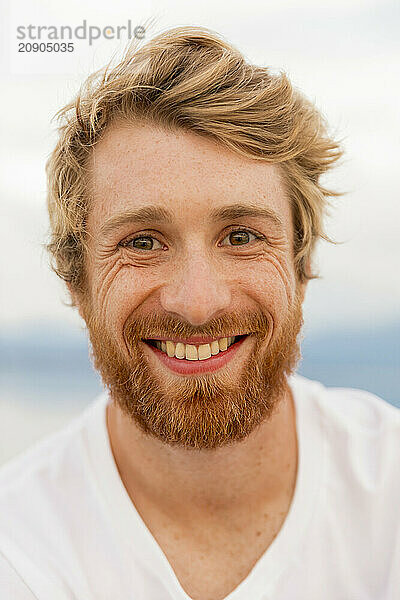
(271, 285)
(120, 290)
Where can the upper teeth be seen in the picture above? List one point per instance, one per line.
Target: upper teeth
(192, 352)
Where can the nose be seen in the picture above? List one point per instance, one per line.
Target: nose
(196, 292)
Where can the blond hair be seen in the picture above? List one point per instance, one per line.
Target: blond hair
(192, 79)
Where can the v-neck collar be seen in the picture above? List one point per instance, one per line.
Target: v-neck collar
(275, 561)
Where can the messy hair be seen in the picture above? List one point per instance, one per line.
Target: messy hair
(190, 78)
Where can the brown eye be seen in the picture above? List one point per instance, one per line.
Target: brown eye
(237, 238)
(144, 242)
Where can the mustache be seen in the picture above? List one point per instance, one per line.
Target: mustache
(157, 325)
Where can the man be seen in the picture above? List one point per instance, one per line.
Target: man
(185, 202)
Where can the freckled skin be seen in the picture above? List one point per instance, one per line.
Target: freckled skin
(222, 509)
(135, 166)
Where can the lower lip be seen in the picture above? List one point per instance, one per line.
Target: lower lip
(194, 367)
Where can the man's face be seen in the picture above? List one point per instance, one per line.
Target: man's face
(190, 255)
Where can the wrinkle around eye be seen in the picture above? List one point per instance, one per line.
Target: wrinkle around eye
(250, 254)
(107, 275)
(283, 272)
(248, 251)
(145, 258)
(280, 242)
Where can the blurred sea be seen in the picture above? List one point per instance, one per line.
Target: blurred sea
(46, 377)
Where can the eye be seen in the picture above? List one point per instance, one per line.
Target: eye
(143, 242)
(240, 237)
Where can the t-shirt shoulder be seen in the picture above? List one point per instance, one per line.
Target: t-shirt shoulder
(353, 409)
(361, 434)
(46, 493)
(362, 410)
(49, 451)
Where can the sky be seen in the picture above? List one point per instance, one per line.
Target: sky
(344, 55)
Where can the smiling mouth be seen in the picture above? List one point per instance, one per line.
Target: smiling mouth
(194, 352)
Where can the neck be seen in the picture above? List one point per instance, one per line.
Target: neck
(259, 471)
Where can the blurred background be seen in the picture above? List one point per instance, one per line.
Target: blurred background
(343, 54)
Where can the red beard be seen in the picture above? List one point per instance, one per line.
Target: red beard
(207, 411)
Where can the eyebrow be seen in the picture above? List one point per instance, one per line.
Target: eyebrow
(141, 215)
(159, 214)
(238, 211)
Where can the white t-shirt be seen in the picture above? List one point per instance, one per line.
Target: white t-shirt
(69, 531)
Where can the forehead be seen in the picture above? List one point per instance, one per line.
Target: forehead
(134, 165)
